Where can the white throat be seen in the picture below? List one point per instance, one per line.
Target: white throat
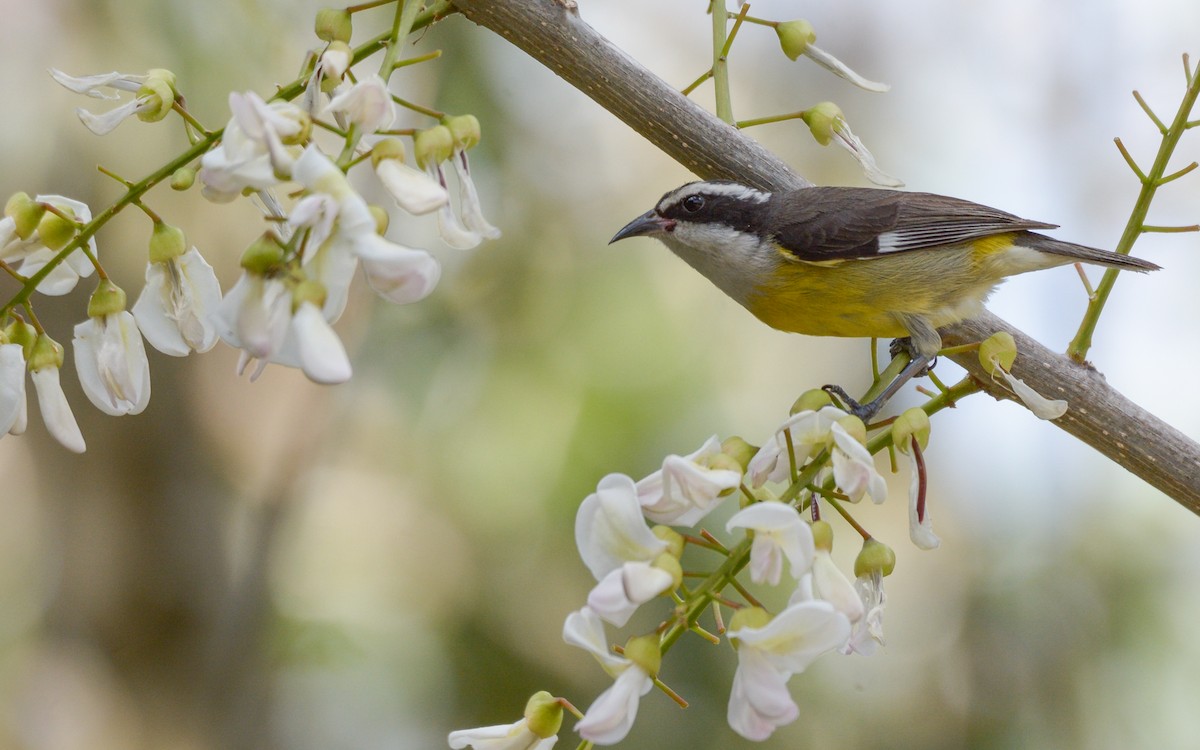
(735, 261)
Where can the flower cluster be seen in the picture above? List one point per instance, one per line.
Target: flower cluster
(295, 278)
(817, 459)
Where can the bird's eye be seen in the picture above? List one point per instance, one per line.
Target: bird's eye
(693, 203)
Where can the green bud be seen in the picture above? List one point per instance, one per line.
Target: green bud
(644, 651)
(874, 556)
(822, 535)
(382, 218)
(25, 213)
(464, 129)
(739, 450)
(166, 242)
(822, 121)
(20, 332)
(749, 617)
(333, 24)
(164, 75)
(912, 423)
(264, 255)
(812, 400)
(54, 231)
(161, 93)
(854, 427)
(433, 145)
(183, 178)
(543, 714)
(722, 462)
(1000, 349)
(673, 539)
(795, 36)
(388, 148)
(108, 299)
(668, 562)
(46, 353)
(309, 290)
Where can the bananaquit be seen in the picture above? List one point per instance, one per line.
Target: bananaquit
(834, 261)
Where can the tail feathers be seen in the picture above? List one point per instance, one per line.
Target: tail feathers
(1084, 254)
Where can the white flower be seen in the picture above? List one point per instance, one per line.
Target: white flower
(828, 124)
(35, 255)
(175, 308)
(779, 534)
(920, 526)
(321, 354)
(854, 468)
(415, 191)
(618, 595)
(442, 143)
(111, 361)
(398, 274)
(12, 388)
(367, 104)
(610, 530)
(537, 729)
(809, 431)
(867, 635)
(154, 96)
(768, 656)
(828, 583)
(612, 714)
(468, 198)
(253, 152)
(254, 317)
(686, 489)
(1042, 407)
(56, 412)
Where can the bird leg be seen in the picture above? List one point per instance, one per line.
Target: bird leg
(922, 347)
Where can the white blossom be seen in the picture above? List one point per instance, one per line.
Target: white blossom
(867, 634)
(111, 361)
(686, 489)
(610, 530)
(612, 714)
(56, 412)
(415, 191)
(252, 153)
(12, 388)
(779, 534)
(810, 433)
(619, 593)
(367, 104)
(176, 307)
(854, 468)
(154, 95)
(35, 255)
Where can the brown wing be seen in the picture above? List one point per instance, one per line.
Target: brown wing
(829, 223)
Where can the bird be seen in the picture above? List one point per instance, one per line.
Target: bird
(856, 262)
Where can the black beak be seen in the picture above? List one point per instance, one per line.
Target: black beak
(648, 223)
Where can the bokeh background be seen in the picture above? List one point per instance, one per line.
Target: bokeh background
(279, 564)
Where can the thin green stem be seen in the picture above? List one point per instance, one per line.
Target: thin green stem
(434, 113)
(752, 19)
(768, 120)
(720, 67)
(1151, 181)
(1170, 230)
(696, 83)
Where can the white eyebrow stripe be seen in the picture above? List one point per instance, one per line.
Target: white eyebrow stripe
(732, 189)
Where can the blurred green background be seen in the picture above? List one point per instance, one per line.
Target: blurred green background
(279, 564)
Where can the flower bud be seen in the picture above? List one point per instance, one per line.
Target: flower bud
(264, 254)
(183, 178)
(998, 350)
(166, 242)
(382, 218)
(795, 36)
(854, 427)
(161, 92)
(55, 231)
(875, 556)
(388, 148)
(20, 332)
(644, 651)
(108, 299)
(811, 400)
(749, 617)
(333, 24)
(822, 535)
(673, 539)
(823, 121)
(464, 129)
(25, 213)
(433, 145)
(46, 353)
(543, 714)
(912, 423)
(740, 451)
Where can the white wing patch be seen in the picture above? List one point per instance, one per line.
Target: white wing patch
(912, 238)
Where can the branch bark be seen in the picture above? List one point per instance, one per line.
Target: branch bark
(552, 33)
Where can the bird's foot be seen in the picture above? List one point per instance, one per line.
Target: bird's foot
(906, 346)
(863, 411)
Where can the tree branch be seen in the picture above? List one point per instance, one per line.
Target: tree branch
(552, 33)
